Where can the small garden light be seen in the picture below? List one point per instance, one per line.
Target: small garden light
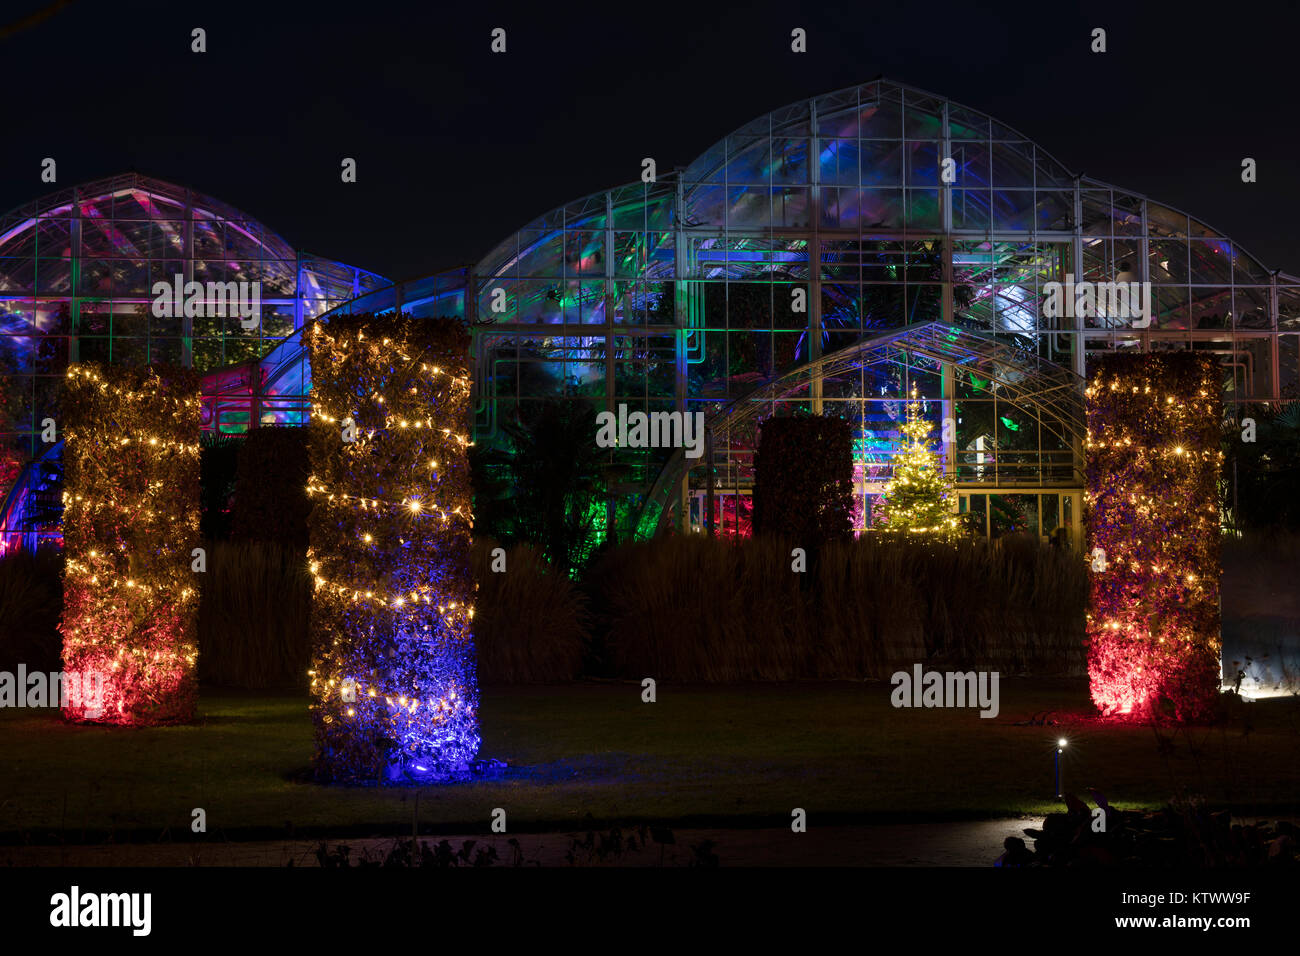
(1060, 748)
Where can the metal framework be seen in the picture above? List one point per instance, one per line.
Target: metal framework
(797, 236)
(77, 273)
(881, 371)
(680, 294)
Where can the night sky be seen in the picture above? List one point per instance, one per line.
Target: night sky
(457, 147)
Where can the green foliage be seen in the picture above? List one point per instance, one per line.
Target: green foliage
(390, 532)
(130, 522)
(803, 484)
(544, 488)
(271, 502)
(917, 499)
(1152, 470)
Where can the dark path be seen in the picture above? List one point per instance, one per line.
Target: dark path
(923, 844)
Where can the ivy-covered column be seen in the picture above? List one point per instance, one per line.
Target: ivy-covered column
(393, 686)
(1152, 513)
(130, 524)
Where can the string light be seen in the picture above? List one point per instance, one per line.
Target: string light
(394, 693)
(131, 520)
(1153, 467)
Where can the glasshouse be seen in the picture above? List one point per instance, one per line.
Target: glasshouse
(834, 256)
(78, 271)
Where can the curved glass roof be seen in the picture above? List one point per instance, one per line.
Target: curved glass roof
(77, 274)
(97, 238)
(830, 222)
(680, 290)
(999, 389)
(865, 162)
(861, 168)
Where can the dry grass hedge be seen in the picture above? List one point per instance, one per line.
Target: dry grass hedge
(254, 616)
(693, 608)
(530, 622)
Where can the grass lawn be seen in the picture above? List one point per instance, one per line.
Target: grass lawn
(719, 756)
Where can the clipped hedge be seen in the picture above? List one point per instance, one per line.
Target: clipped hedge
(1153, 470)
(130, 522)
(803, 479)
(271, 502)
(394, 689)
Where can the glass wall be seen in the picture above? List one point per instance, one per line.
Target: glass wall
(78, 271)
(857, 213)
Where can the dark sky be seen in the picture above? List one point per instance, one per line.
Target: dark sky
(458, 147)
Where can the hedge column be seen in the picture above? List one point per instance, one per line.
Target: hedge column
(130, 523)
(1153, 463)
(394, 693)
(803, 479)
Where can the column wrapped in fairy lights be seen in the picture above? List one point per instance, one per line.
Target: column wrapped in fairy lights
(1153, 463)
(394, 693)
(130, 524)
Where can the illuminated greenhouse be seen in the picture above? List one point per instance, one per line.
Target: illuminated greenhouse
(680, 294)
(77, 270)
(825, 258)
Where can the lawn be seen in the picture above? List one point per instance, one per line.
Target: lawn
(731, 756)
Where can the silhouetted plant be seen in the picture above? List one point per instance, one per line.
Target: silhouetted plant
(542, 489)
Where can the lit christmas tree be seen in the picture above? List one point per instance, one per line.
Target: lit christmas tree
(917, 500)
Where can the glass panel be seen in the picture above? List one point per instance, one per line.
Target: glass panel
(882, 119)
(923, 209)
(967, 124)
(790, 161)
(922, 164)
(839, 162)
(1012, 166)
(1051, 504)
